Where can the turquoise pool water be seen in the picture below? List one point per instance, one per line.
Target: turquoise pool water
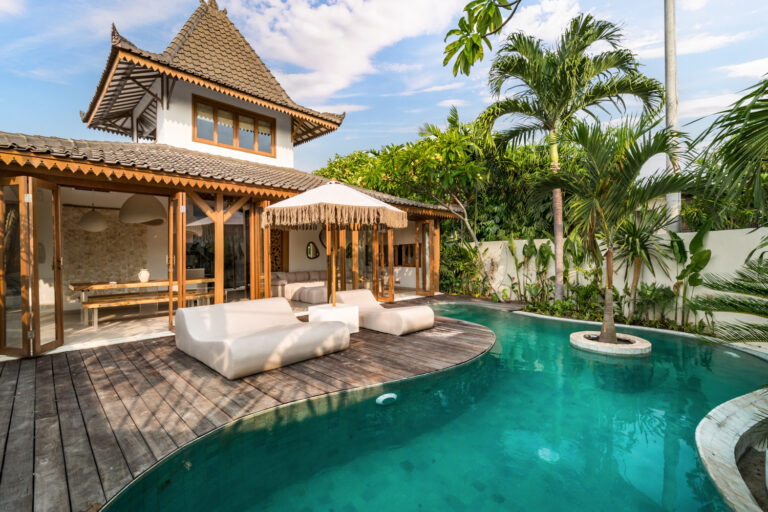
(533, 425)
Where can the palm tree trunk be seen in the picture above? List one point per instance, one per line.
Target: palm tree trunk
(608, 330)
(557, 214)
(636, 263)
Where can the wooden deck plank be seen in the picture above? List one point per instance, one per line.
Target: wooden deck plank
(18, 464)
(159, 442)
(137, 453)
(196, 420)
(82, 474)
(8, 378)
(81, 425)
(173, 424)
(50, 482)
(113, 468)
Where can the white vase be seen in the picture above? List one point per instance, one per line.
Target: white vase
(143, 275)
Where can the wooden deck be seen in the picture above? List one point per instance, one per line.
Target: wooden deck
(76, 427)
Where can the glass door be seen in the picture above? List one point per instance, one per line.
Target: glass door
(45, 255)
(14, 268)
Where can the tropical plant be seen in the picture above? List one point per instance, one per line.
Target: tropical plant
(553, 86)
(609, 190)
(638, 245)
(459, 274)
(694, 260)
(745, 292)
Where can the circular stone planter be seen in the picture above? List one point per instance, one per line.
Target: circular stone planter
(632, 346)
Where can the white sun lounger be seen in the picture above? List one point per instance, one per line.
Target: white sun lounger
(243, 338)
(396, 321)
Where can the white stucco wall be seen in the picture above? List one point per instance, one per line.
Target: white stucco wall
(297, 251)
(174, 126)
(729, 250)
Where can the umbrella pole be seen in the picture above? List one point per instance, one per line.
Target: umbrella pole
(335, 242)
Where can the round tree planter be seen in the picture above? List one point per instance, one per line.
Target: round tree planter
(629, 346)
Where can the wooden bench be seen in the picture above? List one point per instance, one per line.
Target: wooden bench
(96, 302)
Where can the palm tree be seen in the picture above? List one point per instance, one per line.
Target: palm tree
(638, 245)
(745, 292)
(608, 190)
(554, 85)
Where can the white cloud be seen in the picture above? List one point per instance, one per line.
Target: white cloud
(652, 47)
(453, 103)
(396, 67)
(752, 69)
(545, 20)
(699, 107)
(338, 109)
(433, 88)
(11, 7)
(333, 45)
(692, 5)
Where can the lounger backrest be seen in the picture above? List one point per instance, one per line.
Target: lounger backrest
(235, 319)
(360, 298)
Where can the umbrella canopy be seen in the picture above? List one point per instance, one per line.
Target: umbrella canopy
(336, 205)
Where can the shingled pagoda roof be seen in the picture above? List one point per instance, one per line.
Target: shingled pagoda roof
(208, 51)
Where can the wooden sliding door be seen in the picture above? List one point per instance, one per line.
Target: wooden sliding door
(15, 313)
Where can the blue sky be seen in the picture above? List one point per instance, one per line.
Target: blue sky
(378, 60)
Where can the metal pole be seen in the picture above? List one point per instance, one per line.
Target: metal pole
(670, 69)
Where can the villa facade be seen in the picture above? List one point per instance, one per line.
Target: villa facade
(173, 217)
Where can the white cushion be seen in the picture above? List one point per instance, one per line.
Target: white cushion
(242, 338)
(313, 294)
(395, 321)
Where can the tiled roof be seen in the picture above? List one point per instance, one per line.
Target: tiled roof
(209, 46)
(170, 159)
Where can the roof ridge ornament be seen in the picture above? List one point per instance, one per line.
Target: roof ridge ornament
(116, 37)
(212, 3)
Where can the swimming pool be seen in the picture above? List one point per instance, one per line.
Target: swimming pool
(533, 424)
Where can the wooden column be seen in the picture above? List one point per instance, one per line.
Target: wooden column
(266, 244)
(254, 242)
(436, 257)
(342, 235)
(334, 258)
(376, 278)
(181, 250)
(391, 263)
(355, 259)
(424, 257)
(219, 250)
(417, 255)
(328, 268)
(172, 205)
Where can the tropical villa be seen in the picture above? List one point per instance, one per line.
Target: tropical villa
(188, 322)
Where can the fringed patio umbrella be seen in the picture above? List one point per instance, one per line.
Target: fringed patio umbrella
(333, 205)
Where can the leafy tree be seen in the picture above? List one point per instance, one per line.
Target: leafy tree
(481, 20)
(609, 190)
(638, 245)
(553, 86)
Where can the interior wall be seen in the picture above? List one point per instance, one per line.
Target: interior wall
(297, 251)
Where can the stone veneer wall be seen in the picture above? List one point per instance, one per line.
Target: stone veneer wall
(115, 254)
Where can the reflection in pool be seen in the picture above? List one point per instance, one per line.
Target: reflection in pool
(533, 425)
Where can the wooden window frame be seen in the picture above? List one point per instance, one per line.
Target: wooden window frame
(236, 113)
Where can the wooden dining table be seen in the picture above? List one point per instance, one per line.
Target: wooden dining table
(85, 288)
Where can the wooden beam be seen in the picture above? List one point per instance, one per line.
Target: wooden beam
(253, 252)
(334, 258)
(146, 89)
(376, 278)
(266, 241)
(417, 255)
(181, 249)
(233, 209)
(328, 277)
(207, 210)
(355, 259)
(434, 264)
(170, 259)
(299, 124)
(219, 250)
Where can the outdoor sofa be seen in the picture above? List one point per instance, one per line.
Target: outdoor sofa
(242, 338)
(291, 284)
(395, 321)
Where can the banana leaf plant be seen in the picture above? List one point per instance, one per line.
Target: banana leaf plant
(693, 261)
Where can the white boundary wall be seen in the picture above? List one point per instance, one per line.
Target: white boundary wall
(729, 250)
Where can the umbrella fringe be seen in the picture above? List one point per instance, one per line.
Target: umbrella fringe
(314, 215)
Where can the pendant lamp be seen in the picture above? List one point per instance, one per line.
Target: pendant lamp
(92, 221)
(143, 209)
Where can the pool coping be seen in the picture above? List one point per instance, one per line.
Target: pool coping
(318, 403)
(722, 437)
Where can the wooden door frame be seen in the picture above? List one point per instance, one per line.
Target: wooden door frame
(38, 347)
(26, 316)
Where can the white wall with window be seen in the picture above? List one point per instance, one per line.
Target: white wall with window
(246, 131)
